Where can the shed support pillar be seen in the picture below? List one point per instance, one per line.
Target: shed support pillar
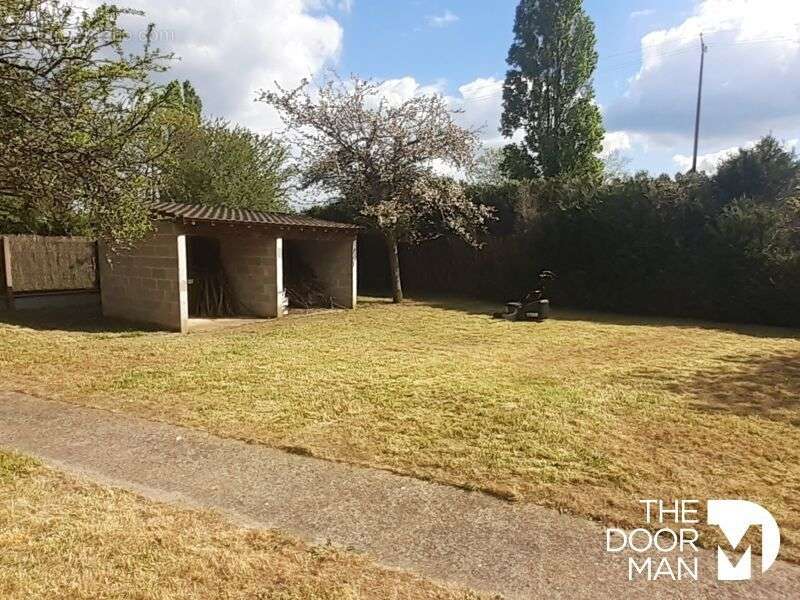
(9, 283)
(280, 291)
(183, 285)
(354, 276)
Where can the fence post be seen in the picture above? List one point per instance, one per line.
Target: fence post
(7, 272)
(97, 265)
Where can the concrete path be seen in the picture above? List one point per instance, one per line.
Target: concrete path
(470, 539)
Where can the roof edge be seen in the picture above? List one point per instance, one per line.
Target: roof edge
(236, 216)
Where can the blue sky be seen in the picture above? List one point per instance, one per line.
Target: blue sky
(646, 81)
(394, 39)
(452, 43)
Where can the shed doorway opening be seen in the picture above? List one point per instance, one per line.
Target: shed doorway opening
(319, 274)
(303, 287)
(210, 294)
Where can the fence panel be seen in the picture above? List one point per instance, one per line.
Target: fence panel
(44, 263)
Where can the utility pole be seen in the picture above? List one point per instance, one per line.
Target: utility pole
(703, 50)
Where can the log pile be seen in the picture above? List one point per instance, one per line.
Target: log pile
(303, 288)
(210, 295)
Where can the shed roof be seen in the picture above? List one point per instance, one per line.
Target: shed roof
(221, 214)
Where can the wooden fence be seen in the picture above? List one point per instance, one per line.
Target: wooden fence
(33, 264)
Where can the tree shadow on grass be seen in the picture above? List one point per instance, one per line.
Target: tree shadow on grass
(84, 320)
(748, 329)
(465, 305)
(559, 313)
(766, 386)
(449, 303)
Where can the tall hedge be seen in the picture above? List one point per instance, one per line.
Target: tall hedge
(662, 246)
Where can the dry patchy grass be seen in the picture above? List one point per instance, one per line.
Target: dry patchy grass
(66, 539)
(586, 412)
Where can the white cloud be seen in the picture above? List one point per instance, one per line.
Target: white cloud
(707, 162)
(751, 85)
(479, 102)
(640, 14)
(710, 162)
(442, 20)
(397, 91)
(482, 103)
(230, 53)
(345, 5)
(616, 141)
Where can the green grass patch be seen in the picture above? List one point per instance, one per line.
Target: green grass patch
(62, 537)
(586, 412)
(14, 466)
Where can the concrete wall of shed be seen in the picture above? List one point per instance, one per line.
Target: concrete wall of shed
(147, 283)
(334, 264)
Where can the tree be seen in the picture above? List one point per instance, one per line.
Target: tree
(548, 92)
(488, 168)
(184, 96)
(615, 165)
(217, 164)
(766, 173)
(378, 158)
(18, 216)
(75, 112)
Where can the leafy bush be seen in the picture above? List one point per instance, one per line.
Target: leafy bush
(214, 163)
(693, 246)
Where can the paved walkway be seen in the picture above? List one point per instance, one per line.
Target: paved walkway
(470, 539)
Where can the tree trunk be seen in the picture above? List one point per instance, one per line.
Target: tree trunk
(394, 268)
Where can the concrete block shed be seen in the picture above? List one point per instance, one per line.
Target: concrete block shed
(152, 282)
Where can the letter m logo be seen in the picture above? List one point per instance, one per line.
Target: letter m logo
(734, 518)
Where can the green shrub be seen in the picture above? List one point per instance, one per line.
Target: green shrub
(670, 246)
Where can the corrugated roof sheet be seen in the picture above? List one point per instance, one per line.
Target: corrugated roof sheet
(192, 212)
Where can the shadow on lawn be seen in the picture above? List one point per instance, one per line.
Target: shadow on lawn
(85, 320)
(465, 305)
(748, 329)
(766, 386)
(487, 308)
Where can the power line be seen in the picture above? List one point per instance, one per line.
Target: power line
(761, 41)
(621, 66)
(641, 48)
(679, 43)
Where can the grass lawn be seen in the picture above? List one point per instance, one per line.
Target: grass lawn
(63, 538)
(586, 412)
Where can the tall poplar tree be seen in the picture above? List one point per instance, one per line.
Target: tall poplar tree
(548, 92)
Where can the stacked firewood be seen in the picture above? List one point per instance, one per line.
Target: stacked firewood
(303, 288)
(210, 295)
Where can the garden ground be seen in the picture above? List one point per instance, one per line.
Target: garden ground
(63, 537)
(587, 412)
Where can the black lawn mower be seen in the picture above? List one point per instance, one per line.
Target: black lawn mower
(533, 307)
